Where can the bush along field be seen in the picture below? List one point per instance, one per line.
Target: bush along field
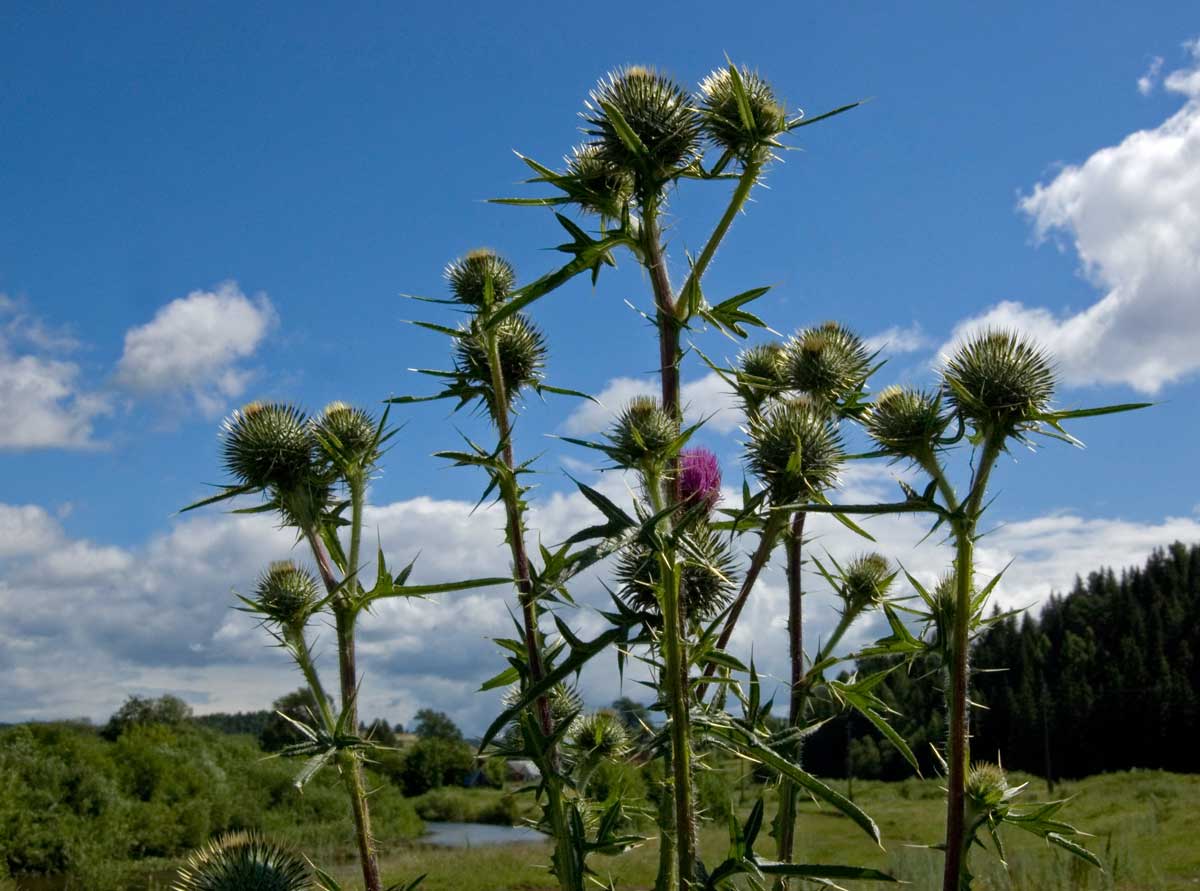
(669, 551)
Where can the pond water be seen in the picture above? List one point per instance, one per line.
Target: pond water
(469, 835)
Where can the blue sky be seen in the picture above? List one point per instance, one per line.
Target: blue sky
(223, 202)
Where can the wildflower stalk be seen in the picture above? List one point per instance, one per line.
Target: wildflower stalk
(786, 818)
(963, 527)
(351, 767)
(498, 407)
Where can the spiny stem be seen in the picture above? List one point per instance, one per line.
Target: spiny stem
(786, 832)
(958, 719)
(745, 184)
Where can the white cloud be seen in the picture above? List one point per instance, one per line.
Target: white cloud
(195, 345)
(705, 398)
(1132, 213)
(897, 339)
(158, 617)
(1148, 81)
(40, 395)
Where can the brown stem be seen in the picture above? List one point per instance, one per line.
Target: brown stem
(787, 796)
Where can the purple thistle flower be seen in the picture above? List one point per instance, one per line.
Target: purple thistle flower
(699, 477)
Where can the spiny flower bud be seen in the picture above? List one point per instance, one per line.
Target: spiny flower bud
(345, 432)
(600, 735)
(706, 579)
(642, 432)
(721, 113)
(999, 380)
(238, 861)
(986, 789)
(760, 373)
(794, 450)
(657, 110)
(522, 349)
(828, 362)
(268, 444)
(286, 594)
(699, 478)
(564, 702)
(599, 187)
(905, 421)
(468, 277)
(866, 581)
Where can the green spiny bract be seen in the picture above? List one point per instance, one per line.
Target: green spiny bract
(999, 381)
(600, 735)
(794, 450)
(707, 580)
(522, 349)
(243, 861)
(760, 374)
(269, 445)
(828, 362)
(564, 701)
(986, 790)
(286, 594)
(642, 433)
(600, 186)
(346, 434)
(658, 111)
(722, 115)
(906, 422)
(865, 581)
(468, 277)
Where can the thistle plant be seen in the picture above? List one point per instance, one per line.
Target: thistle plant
(237, 861)
(309, 471)
(996, 391)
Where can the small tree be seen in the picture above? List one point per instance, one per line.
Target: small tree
(142, 710)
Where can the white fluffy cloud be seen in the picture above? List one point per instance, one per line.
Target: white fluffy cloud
(196, 345)
(705, 398)
(1131, 212)
(158, 617)
(41, 399)
(897, 339)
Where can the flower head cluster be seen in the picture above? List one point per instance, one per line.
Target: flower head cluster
(346, 435)
(795, 450)
(828, 362)
(865, 581)
(240, 860)
(657, 113)
(707, 575)
(269, 444)
(286, 594)
(740, 113)
(598, 185)
(599, 736)
(999, 381)
(642, 433)
(760, 374)
(522, 349)
(470, 277)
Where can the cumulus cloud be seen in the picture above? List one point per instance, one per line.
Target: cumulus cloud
(41, 398)
(1130, 212)
(704, 398)
(158, 617)
(1149, 80)
(196, 345)
(898, 339)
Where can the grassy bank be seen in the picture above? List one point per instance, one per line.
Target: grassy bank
(1146, 827)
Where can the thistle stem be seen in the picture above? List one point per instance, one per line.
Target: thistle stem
(565, 858)
(958, 720)
(786, 820)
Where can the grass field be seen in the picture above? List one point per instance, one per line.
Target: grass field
(1146, 827)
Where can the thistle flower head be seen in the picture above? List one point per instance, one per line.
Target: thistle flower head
(699, 477)
(865, 581)
(600, 735)
(828, 362)
(905, 421)
(987, 788)
(723, 116)
(706, 583)
(794, 450)
(999, 380)
(658, 111)
(268, 445)
(239, 861)
(343, 432)
(760, 373)
(600, 186)
(286, 594)
(468, 277)
(564, 702)
(522, 349)
(642, 432)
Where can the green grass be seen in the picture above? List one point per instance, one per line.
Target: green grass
(1146, 827)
